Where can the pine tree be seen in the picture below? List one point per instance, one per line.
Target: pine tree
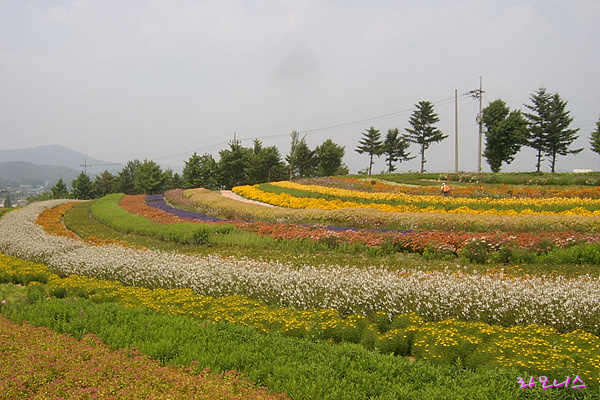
(149, 178)
(233, 165)
(292, 157)
(7, 201)
(595, 139)
(265, 164)
(200, 171)
(549, 132)
(424, 132)
(82, 187)
(104, 184)
(59, 190)
(395, 148)
(125, 181)
(370, 144)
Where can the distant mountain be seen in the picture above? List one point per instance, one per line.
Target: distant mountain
(58, 156)
(15, 173)
(38, 165)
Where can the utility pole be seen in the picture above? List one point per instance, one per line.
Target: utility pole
(478, 94)
(456, 131)
(85, 165)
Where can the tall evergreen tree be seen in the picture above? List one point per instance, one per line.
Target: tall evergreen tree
(370, 144)
(125, 181)
(292, 157)
(175, 182)
(423, 131)
(506, 132)
(265, 164)
(538, 123)
(201, 171)
(7, 201)
(548, 123)
(306, 161)
(301, 159)
(149, 178)
(395, 148)
(329, 156)
(104, 184)
(59, 190)
(82, 187)
(233, 164)
(595, 139)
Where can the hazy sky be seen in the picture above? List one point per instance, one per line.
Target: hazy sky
(161, 79)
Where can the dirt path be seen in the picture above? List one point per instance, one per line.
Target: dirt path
(231, 195)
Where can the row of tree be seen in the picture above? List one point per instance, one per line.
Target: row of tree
(237, 165)
(545, 128)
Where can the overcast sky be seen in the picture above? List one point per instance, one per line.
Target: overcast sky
(160, 79)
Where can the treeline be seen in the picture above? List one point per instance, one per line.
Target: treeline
(544, 128)
(237, 165)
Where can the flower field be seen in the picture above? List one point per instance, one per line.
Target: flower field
(39, 363)
(328, 198)
(538, 324)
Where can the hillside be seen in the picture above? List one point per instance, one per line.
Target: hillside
(47, 164)
(54, 155)
(14, 173)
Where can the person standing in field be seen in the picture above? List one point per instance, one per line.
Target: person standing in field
(445, 189)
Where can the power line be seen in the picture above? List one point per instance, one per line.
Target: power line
(323, 129)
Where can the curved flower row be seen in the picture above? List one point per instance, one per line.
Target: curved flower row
(441, 200)
(565, 304)
(289, 201)
(51, 220)
(413, 241)
(491, 191)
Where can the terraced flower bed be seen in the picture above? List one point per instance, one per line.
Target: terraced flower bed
(533, 325)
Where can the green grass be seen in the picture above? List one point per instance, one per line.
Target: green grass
(302, 368)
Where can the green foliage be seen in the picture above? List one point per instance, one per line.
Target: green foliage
(82, 187)
(595, 139)
(301, 160)
(7, 201)
(125, 181)
(233, 164)
(108, 211)
(395, 148)
(506, 133)
(104, 184)
(423, 131)
(59, 190)
(299, 367)
(549, 132)
(201, 171)
(149, 178)
(370, 144)
(329, 156)
(265, 164)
